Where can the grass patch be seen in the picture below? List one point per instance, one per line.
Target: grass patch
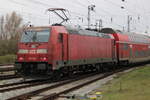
(7, 59)
(134, 85)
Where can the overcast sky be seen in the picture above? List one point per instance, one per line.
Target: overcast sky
(35, 12)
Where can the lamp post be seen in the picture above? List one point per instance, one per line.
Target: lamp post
(90, 8)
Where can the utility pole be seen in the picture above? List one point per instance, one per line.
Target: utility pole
(96, 25)
(49, 21)
(88, 17)
(129, 22)
(90, 8)
(123, 29)
(100, 24)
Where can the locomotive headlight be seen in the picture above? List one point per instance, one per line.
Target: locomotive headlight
(20, 58)
(21, 51)
(41, 50)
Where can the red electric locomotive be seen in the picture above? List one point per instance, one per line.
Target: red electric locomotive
(57, 48)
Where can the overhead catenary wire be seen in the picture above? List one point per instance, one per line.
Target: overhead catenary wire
(38, 2)
(108, 13)
(79, 3)
(129, 11)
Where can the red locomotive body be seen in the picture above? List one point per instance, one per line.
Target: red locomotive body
(93, 48)
(38, 49)
(48, 49)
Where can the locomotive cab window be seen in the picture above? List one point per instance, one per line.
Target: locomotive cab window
(36, 35)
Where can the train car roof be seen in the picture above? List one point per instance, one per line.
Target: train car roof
(111, 31)
(80, 31)
(126, 36)
(36, 28)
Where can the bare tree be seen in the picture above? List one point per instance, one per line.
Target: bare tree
(13, 25)
(10, 30)
(2, 28)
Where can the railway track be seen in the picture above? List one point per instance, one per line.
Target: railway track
(6, 77)
(54, 94)
(54, 91)
(33, 93)
(7, 69)
(20, 85)
(7, 72)
(6, 64)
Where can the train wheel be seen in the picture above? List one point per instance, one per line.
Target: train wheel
(56, 75)
(98, 67)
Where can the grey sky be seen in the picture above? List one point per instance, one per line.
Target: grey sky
(34, 11)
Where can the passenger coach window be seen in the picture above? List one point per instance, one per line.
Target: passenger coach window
(105, 35)
(125, 46)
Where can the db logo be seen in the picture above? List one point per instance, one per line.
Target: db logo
(32, 51)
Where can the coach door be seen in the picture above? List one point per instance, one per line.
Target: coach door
(64, 41)
(131, 52)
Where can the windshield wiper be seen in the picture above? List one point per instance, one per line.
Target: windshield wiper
(29, 37)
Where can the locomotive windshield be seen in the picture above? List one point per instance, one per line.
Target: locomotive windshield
(36, 36)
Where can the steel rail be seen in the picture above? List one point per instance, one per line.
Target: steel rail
(5, 77)
(53, 96)
(30, 94)
(24, 84)
(7, 69)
